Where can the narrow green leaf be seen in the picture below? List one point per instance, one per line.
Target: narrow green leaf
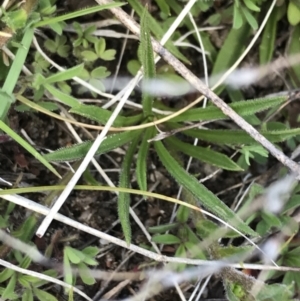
(229, 251)
(191, 235)
(124, 198)
(26, 230)
(243, 108)
(64, 98)
(38, 282)
(206, 197)
(162, 228)
(90, 261)
(85, 275)
(43, 295)
(75, 256)
(10, 288)
(15, 70)
(180, 252)
(293, 49)
(27, 146)
(204, 154)
(23, 281)
(71, 295)
(275, 292)
(240, 137)
(6, 101)
(271, 219)
(194, 251)
(141, 163)
(237, 17)
(266, 47)
(231, 49)
(292, 203)
(251, 5)
(27, 295)
(68, 277)
(147, 60)
(64, 75)
(163, 7)
(78, 13)
(183, 214)
(78, 151)
(91, 251)
(156, 29)
(26, 262)
(5, 274)
(166, 239)
(293, 13)
(250, 18)
(50, 106)
(102, 115)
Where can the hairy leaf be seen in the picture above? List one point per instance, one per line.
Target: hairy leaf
(229, 251)
(243, 108)
(102, 115)
(156, 29)
(78, 13)
(206, 197)
(141, 163)
(163, 228)
(27, 146)
(237, 137)
(147, 60)
(78, 151)
(64, 75)
(204, 154)
(166, 239)
(63, 97)
(124, 198)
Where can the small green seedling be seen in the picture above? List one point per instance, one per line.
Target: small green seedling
(81, 260)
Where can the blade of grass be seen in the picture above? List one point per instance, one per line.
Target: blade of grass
(157, 30)
(148, 63)
(101, 115)
(124, 198)
(238, 137)
(63, 97)
(78, 13)
(15, 71)
(141, 163)
(27, 146)
(79, 150)
(64, 75)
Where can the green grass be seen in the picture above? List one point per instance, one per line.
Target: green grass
(206, 226)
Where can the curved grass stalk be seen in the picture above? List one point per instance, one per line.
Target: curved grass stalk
(133, 191)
